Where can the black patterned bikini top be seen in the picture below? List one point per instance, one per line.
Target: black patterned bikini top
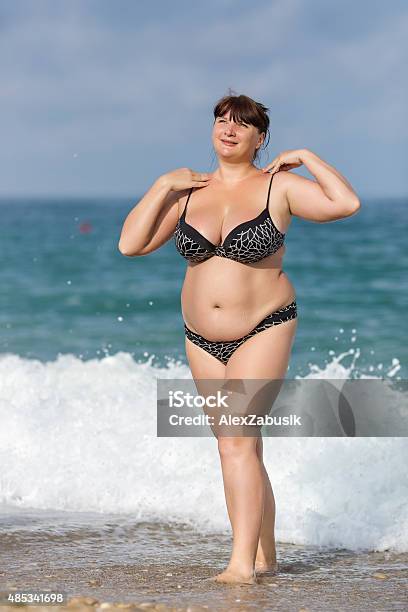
(248, 242)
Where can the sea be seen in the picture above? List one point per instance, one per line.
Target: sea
(92, 501)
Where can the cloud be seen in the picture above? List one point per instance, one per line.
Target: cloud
(106, 79)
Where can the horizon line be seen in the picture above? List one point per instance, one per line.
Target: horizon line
(17, 196)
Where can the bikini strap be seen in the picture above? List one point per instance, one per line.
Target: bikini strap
(269, 191)
(185, 207)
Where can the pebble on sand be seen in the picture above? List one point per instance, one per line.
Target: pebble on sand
(380, 576)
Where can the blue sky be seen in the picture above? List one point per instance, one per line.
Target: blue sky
(101, 97)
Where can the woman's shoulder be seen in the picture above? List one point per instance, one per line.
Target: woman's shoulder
(182, 194)
(277, 180)
(255, 184)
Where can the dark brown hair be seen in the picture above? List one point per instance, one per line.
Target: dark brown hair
(245, 110)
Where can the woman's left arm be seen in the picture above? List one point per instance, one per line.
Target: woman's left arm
(328, 198)
(334, 184)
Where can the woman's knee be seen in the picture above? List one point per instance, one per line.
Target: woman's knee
(231, 446)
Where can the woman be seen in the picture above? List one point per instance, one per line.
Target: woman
(238, 305)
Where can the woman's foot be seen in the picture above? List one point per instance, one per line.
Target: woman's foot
(263, 567)
(232, 577)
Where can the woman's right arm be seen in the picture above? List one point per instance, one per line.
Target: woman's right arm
(153, 220)
(138, 229)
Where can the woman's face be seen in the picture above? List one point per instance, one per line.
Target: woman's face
(245, 138)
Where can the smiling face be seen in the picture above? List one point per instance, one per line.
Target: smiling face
(237, 141)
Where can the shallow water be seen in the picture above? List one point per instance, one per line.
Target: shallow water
(70, 291)
(116, 558)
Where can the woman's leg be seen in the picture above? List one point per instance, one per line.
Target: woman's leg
(265, 535)
(244, 486)
(263, 356)
(266, 552)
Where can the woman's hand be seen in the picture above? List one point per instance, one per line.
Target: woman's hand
(285, 161)
(184, 178)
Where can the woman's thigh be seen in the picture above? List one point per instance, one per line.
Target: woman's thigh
(202, 364)
(208, 373)
(264, 355)
(261, 363)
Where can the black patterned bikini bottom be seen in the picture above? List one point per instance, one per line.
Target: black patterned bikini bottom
(223, 349)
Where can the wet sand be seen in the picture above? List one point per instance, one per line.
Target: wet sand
(166, 567)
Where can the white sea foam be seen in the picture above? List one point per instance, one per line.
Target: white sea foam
(81, 436)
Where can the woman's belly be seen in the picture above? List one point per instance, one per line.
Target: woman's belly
(224, 300)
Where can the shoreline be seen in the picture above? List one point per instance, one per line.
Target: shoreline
(120, 562)
(306, 581)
